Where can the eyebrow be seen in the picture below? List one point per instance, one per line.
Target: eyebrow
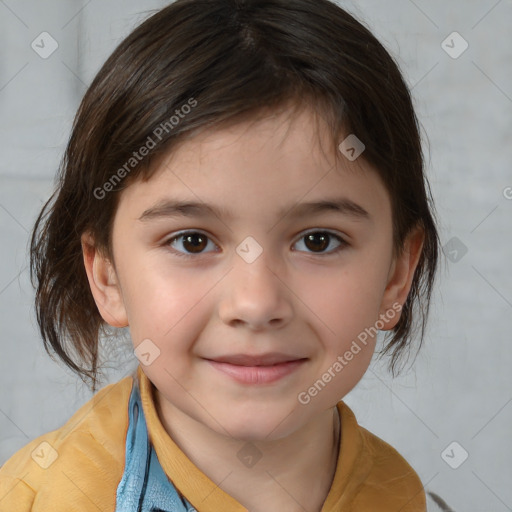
(169, 208)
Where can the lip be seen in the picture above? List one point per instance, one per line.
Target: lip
(268, 359)
(258, 369)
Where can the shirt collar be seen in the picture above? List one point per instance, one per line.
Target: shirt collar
(204, 494)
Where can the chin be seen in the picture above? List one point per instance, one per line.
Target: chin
(255, 426)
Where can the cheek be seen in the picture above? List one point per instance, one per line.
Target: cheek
(163, 306)
(346, 301)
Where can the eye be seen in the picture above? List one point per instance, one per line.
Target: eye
(318, 241)
(193, 242)
(190, 243)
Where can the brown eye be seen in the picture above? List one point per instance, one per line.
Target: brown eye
(318, 241)
(194, 243)
(189, 244)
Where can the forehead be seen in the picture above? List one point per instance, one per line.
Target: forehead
(259, 166)
(292, 132)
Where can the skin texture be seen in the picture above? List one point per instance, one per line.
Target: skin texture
(306, 300)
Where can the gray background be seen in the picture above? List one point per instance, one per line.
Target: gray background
(459, 388)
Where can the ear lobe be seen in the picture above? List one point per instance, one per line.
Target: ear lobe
(104, 284)
(400, 278)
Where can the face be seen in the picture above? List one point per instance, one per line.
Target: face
(241, 303)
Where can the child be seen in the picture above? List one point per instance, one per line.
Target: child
(243, 188)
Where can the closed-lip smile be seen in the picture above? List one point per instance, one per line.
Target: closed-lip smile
(257, 369)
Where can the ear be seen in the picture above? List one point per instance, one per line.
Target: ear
(400, 278)
(104, 284)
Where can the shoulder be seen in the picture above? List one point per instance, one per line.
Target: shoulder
(388, 477)
(82, 461)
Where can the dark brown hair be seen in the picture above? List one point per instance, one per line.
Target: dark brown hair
(229, 59)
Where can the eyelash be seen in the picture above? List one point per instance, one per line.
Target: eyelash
(343, 243)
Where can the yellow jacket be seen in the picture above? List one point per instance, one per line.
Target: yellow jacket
(86, 465)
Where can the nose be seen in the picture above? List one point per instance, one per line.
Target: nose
(256, 295)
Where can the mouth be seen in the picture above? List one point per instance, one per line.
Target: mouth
(258, 369)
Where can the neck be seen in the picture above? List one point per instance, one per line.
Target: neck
(282, 476)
